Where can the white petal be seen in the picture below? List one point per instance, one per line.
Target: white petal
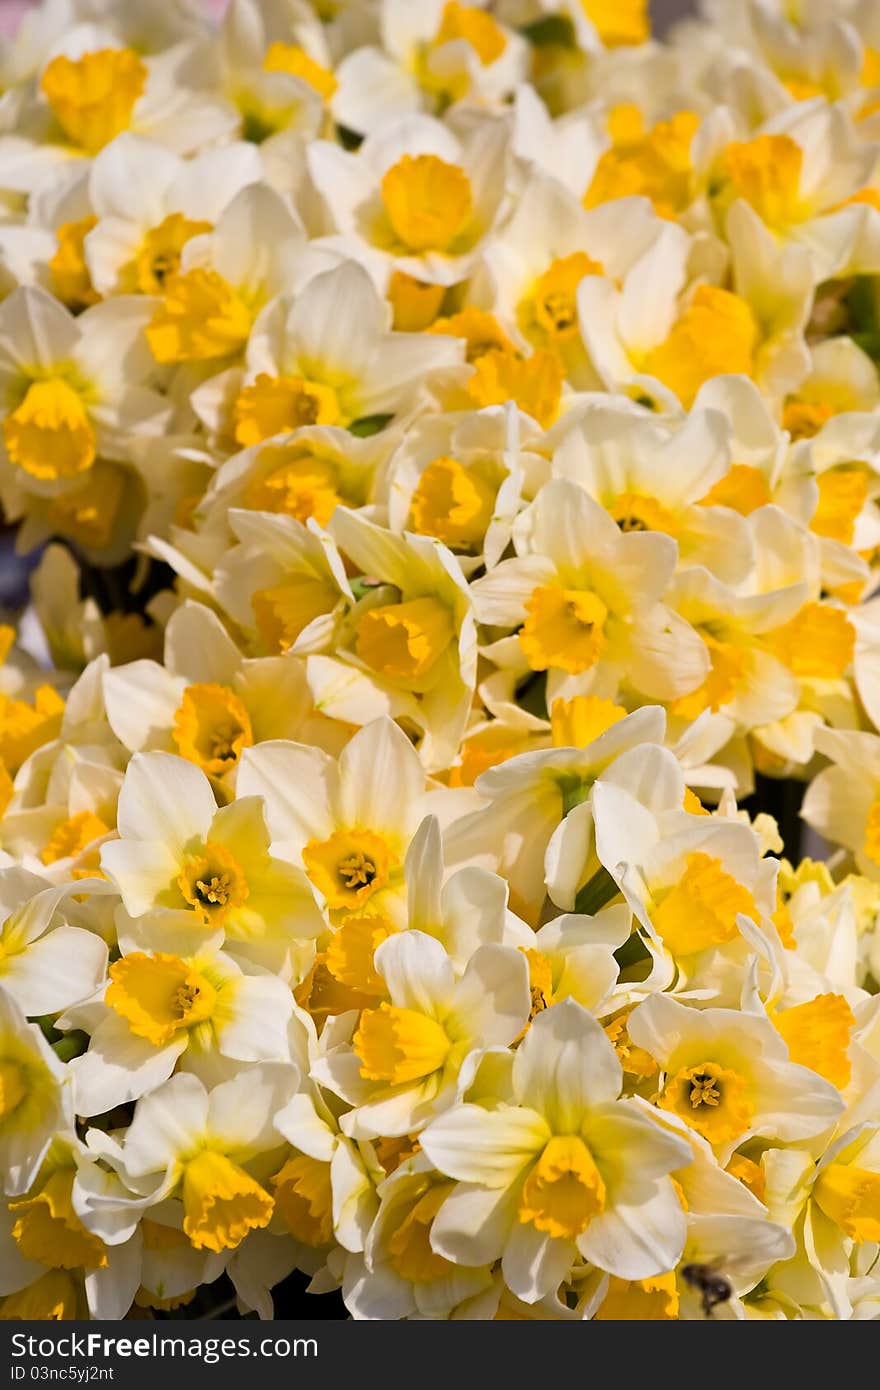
(119, 1067)
(490, 1147)
(637, 1241)
(418, 972)
(165, 798)
(565, 1066)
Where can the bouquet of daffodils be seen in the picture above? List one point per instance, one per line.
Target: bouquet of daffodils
(448, 440)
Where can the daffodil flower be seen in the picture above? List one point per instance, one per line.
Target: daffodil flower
(727, 1074)
(35, 1096)
(416, 1055)
(567, 1168)
(212, 869)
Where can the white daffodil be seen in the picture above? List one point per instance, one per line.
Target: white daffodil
(146, 203)
(73, 390)
(225, 277)
(598, 25)
(284, 584)
(325, 356)
(65, 792)
(165, 1013)
(688, 879)
(801, 173)
(727, 1074)
(90, 87)
(532, 795)
(653, 477)
(55, 1265)
(729, 1234)
(589, 601)
(35, 1096)
(660, 339)
(272, 64)
(831, 1206)
(566, 1168)
(210, 1150)
(417, 197)
(429, 56)
(304, 474)
(401, 1275)
(335, 818)
(206, 702)
(529, 276)
(412, 631)
(410, 1058)
(325, 1190)
(460, 478)
(46, 964)
(212, 869)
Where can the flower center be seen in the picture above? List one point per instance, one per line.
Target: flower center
(72, 836)
(714, 1100)
(701, 909)
(564, 1190)
(46, 1227)
(304, 1197)
(213, 884)
(717, 334)
(299, 487)
(284, 610)
(291, 58)
(71, 278)
(474, 25)
(211, 728)
(24, 728)
(221, 1202)
(818, 641)
(409, 1245)
(92, 97)
(51, 1298)
(533, 383)
(850, 1197)
(277, 404)
(564, 628)
(576, 722)
(200, 318)
(727, 666)
(49, 434)
(159, 995)
(633, 511)
(843, 493)
(452, 503)
(159, 255)
(399, 1045)
(818, 1036)
(349, 867)
(766, 172)
(655, 164)
(403, 641)
(552, 306)
(428, 202)
(89, 515)
(639, 1300)
(349, 956)
(743, 488)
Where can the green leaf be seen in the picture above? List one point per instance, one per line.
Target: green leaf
(598, 892)
(551, 29)
(367, 425)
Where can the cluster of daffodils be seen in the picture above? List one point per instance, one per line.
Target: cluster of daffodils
(448, 436)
